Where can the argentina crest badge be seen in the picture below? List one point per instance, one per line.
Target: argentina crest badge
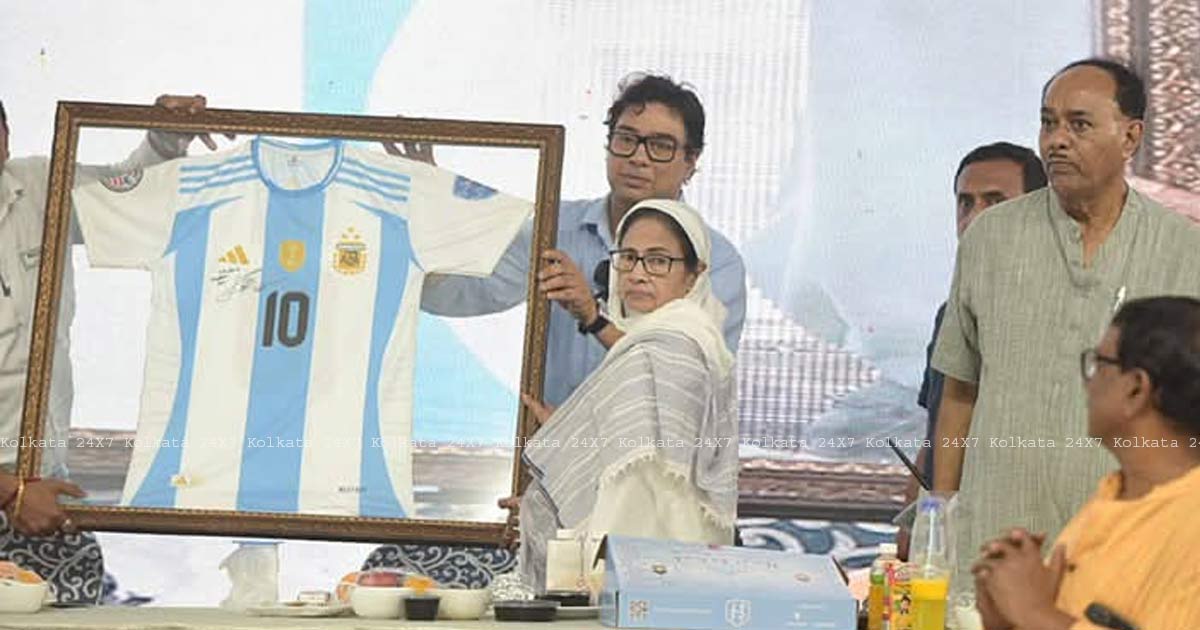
(350, 253)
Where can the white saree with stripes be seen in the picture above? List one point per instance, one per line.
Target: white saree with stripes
(647, 446)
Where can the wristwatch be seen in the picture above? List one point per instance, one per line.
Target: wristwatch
(596, 326)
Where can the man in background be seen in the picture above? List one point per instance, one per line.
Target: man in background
(988, 175)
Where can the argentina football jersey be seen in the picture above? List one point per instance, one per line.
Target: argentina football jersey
(286, 286)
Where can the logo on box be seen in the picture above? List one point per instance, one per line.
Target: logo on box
(737, 612)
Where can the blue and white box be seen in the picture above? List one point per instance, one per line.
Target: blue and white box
(688, 586)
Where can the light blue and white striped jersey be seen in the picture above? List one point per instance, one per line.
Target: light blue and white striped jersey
(286, 285)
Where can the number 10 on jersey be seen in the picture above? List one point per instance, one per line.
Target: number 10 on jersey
(285, 319)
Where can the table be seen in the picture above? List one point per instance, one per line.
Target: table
(166, 618)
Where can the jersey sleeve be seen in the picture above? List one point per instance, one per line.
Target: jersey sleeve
(460, 226)
(126, 216)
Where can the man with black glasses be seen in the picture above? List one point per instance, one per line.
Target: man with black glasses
(655, 137)
(1129, 557)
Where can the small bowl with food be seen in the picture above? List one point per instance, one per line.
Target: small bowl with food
(22, 591)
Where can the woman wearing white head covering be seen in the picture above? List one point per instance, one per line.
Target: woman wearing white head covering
(647, 445)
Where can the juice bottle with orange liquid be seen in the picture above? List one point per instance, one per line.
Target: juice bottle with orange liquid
(930, 567)
(929, 594)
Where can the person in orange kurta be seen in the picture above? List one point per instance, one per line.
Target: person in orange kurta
(1131, 553)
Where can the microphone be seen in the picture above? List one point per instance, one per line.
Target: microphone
(1102, 615)
(600, 277)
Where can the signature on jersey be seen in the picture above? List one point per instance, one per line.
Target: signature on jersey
(232, 280)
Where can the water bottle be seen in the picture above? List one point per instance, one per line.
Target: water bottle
(930, 564)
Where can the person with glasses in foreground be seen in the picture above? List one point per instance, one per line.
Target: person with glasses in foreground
(647, 445)
(1128, 558)
(655, 137)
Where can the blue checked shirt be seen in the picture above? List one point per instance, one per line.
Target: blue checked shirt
(584, 235)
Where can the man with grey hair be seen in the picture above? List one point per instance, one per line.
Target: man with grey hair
(1036, 280)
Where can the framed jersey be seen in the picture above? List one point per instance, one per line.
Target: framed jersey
(280, 374)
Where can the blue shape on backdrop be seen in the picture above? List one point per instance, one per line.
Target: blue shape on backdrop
(455, 398)
(344, 41)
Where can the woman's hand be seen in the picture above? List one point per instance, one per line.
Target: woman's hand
(512, 525)
(540, 410)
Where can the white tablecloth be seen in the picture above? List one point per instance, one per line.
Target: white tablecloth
(162, 618)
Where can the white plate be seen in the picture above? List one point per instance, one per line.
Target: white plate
(578, 612)
(307, 610)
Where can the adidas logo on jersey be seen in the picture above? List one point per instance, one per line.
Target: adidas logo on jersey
(235, 256)
(235, 275)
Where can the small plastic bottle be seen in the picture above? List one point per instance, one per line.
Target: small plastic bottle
(877, 610)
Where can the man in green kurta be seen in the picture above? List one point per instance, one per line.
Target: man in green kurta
(1036, 282)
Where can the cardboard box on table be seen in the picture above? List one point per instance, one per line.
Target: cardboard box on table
(688, 586)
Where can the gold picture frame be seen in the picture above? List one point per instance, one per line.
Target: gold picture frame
(547, 140)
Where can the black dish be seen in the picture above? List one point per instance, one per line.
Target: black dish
(421, 607)
(526, 610)
(568, 598)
